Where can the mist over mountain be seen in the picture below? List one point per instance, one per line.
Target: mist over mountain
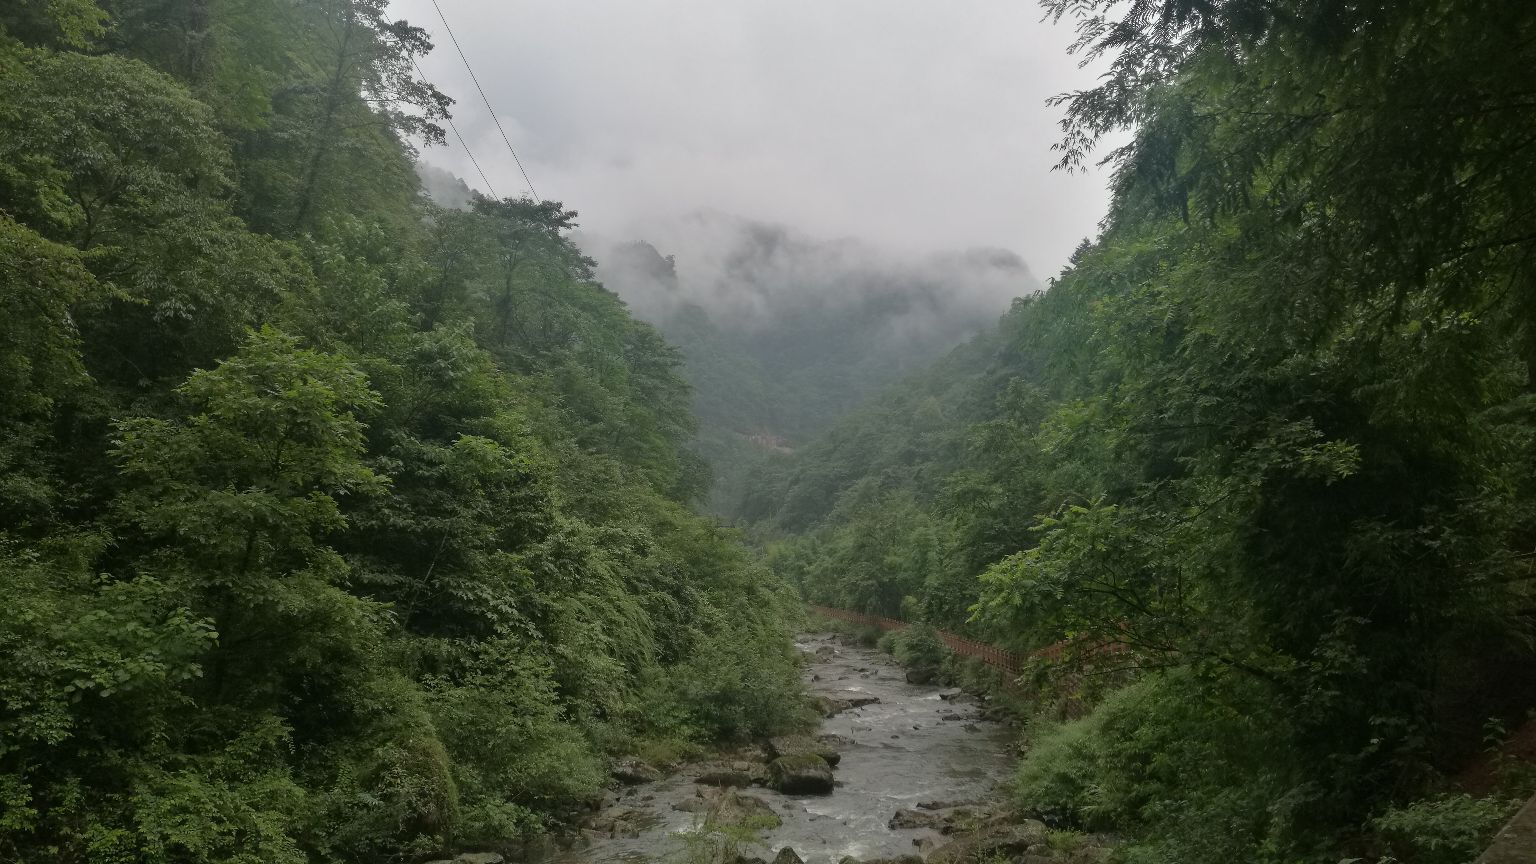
(445, 188)
(751, 275)
(785, 333)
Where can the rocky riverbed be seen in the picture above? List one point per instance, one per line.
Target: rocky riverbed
(896, 770)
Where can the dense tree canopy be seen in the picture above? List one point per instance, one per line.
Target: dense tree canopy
(1271, 433)
(334, 525)
(337, 525)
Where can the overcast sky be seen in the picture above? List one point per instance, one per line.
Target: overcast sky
(916, 124)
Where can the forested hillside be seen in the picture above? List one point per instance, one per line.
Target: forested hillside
(1269, 437)
(781, 334)
(334, 525)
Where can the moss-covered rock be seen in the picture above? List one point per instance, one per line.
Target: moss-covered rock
(800, 774)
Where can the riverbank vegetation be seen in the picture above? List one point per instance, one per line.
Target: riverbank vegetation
(1269, 437)
(334, 526)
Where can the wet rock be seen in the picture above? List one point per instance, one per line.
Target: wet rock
(478, 858)
(947, 822)
(854, 698)
(953, 717)
(788, 856)
(631, 771)
(720, 775)
(999, 841)
(788, 745)
(623, 822)
(800, 774)
(828, 707)
(909, 819)
(727, 807)
(744, 811)
(825, 651)
(957, 821)
(922, 675)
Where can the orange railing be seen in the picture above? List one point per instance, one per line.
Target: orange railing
(991, 655)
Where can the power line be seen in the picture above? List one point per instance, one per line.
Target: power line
(494, 118)
(462, 143)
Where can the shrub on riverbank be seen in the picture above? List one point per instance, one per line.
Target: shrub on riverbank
(867, 635)
(1157, 760)
(916, 647)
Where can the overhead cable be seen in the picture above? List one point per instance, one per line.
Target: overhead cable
(494, 118)
(462, 143)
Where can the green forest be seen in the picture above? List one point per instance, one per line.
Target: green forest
(334, 526)
(792, 333)
(342, 525)
(1261, 456)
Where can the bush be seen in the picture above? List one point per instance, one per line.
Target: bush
(1447, 829)
(918, 647)
(513, 750)
(1198, 771)
(732, 686)
(867, 635)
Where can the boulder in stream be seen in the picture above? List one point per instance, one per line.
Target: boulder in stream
(729, 808)
(908, 819)
(743, 811)
(999, 841)
(800, 774)
(828, 707)
(722, 775)
(854, 698)
(787, 745)
(947, 822)
(788, 856)
(921, 675)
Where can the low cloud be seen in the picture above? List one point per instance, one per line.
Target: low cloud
(919, 126)
(752, 276)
